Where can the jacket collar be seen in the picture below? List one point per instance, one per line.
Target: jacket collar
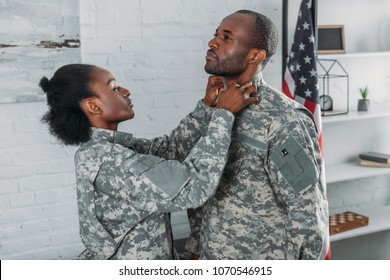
(112, 136)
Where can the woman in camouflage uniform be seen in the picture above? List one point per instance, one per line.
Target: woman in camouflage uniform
(126, 187)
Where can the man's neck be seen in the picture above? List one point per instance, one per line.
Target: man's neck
(256, 79)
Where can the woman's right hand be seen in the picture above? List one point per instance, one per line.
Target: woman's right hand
(236, 97)
(214, 87)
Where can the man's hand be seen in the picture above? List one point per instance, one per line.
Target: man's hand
(214, 87)
(237, 97)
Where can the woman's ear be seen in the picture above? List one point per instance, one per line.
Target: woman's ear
(257, 56)
(90, 106)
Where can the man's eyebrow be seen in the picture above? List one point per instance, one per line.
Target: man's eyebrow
(225, 31)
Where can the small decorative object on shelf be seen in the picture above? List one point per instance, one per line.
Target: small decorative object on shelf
(371, 163)
(326, 103)
(331, 39)
(375, 156)
(363, 103)
(334, 87)
(346, 221)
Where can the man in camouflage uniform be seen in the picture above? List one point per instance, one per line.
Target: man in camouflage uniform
(270, 203)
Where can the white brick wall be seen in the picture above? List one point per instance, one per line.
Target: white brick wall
(156, 48)
(38, 211)
(37, 185)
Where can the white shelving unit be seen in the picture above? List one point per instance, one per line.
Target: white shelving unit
(354, 55)
(364, 190)
(376, 111)
(352, 170)
(379, 218)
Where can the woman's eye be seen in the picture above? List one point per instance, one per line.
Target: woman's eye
(116, 89)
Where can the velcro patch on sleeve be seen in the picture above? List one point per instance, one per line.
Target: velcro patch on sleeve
(295, 165)
(165, 175)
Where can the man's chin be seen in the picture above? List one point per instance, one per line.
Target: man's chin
(209, 70)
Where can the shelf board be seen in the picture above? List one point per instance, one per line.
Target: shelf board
(375, 111)
(378, 220)
(352, 170)
(354, 55)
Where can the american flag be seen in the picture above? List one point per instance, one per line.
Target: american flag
(300, 80)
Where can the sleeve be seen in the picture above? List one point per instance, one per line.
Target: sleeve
(195, 221)
(180, 140)
(156, 185)
(294, 169)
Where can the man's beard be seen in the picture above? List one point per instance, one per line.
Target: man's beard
(228, 67)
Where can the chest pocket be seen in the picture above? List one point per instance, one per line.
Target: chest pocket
(294, 164)
(243, 147)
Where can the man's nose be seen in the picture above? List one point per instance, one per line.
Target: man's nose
(213, 43)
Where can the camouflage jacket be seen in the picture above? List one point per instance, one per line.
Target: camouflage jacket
(270, 203)
(124, 197)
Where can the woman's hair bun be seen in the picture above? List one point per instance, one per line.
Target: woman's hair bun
(45, 84)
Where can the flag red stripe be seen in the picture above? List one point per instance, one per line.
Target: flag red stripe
(286, 90)
(310, 105)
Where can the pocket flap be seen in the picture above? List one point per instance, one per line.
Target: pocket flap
(142, 164)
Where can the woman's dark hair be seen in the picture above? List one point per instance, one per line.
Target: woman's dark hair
(264, 36)
(65, 90)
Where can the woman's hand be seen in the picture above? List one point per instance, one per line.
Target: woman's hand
(214, 87)
(237, 97)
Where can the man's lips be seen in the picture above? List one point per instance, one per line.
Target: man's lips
(211, 55)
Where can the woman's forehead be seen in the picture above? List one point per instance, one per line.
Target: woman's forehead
(100, 74)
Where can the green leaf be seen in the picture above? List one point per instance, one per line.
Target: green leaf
(364, 92)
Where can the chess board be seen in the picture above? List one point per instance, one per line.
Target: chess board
(346, 221)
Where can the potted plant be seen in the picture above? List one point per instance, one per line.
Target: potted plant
(364, 102)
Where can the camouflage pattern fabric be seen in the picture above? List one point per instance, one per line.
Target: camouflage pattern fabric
(180, 141)
(124, 198)
(270, 203)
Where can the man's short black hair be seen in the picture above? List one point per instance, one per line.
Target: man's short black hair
(264, 34)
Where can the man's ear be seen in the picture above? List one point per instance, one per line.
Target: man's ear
(90, 106)
(257, 56)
